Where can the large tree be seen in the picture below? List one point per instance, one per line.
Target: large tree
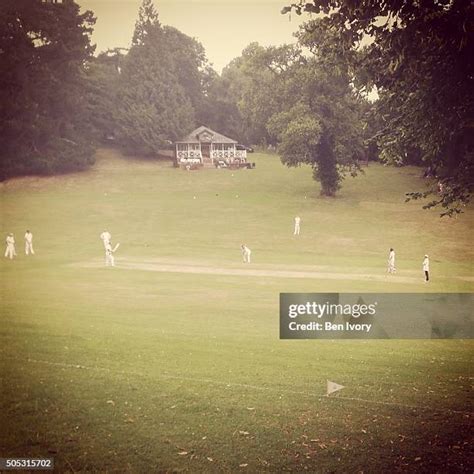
(419, 58)
(190, 66)
(161, 86)
(257, 84)
(43, 121)
(324, 127)
(297, 102)
(102, 81)
(153, 107)
(219, 110)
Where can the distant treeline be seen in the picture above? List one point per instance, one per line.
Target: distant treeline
(309, 100)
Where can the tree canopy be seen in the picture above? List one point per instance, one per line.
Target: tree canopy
(153, 105)
(296, 102)
(326, 121)
(161, 85)
(43, 49)
(57, 100)
(102, 82)
(418, 57)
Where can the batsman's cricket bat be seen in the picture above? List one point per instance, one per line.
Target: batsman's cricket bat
(116, 247)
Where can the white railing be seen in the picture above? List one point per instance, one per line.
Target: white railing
(229, 154)
(189, 155)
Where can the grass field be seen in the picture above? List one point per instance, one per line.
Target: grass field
(130, 369)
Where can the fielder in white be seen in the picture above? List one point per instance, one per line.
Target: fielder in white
(29, 243)
(426, 268)
(297, 225)
(10, 251)
(246, 252)
(109, 254)
(106, 237)
(391, 261)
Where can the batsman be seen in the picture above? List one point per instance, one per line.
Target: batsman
(109, 254)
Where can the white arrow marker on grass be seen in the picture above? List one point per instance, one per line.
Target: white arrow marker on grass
(333, 387)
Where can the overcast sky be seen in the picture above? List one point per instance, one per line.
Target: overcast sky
(224, 27)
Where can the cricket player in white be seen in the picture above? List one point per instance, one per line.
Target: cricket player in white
(426, 268)
(297, 225)
(10, 250)
(29, 243)
(106, 238)
(245, 253)
(109, 255)
(391, 261)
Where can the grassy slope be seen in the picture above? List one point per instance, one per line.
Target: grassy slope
(183, 357)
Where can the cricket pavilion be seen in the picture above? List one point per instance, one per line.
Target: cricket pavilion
(204, 147)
